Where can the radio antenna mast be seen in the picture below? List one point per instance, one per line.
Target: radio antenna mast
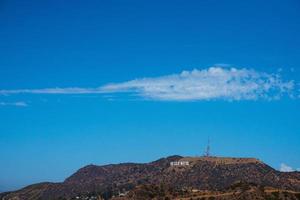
(207, 150)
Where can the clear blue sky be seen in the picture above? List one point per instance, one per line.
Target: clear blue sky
(88, 44)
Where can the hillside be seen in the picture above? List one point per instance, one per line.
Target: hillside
(217, 175)
(245, 191)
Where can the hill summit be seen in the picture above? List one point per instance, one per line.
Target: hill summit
(168, 177)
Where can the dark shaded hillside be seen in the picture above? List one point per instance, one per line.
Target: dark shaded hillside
(238, 191)
(202, 173)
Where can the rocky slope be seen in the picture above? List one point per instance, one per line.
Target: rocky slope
(202, 174)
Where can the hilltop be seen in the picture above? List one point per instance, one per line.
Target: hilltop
(196, 176)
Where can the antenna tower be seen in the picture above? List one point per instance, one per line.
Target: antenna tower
(207, 150)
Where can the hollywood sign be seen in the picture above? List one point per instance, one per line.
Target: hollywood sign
(179, 163)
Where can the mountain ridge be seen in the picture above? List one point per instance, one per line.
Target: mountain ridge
(200, 173)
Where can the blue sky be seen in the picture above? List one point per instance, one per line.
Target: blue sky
(128, 58)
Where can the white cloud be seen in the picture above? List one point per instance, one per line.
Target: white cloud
(285, 168)
(71, 90)
(207, 84)
(18, 104)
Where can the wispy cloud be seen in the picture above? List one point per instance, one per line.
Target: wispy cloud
(18, 104)
(207, 84)
(226, 83)
(70, 90)
(285, 168)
